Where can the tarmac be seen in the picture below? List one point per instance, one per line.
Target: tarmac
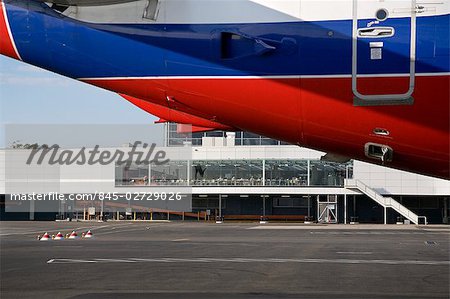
(228, 260)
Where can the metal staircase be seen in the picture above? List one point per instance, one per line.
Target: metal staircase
(386, 202)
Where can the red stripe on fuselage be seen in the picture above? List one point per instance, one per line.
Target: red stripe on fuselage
(7, 46)
(318, 113)
(172, 115)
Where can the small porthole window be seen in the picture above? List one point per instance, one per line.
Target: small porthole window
(382, 14)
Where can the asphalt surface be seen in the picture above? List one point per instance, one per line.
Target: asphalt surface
(230, 260)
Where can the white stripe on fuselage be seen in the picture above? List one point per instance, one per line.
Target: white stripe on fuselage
(9, 30)
(264, 77)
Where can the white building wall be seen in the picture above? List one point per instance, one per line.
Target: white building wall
(2, 172)
(73, 178)
(388, 181)
(254, 152)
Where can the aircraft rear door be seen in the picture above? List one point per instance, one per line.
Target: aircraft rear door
(383, 51)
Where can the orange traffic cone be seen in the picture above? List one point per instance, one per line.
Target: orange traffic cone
(73, 235)
(45, 237)
(88, 234)
(59, 236)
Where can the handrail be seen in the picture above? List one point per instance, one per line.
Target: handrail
(387, 202)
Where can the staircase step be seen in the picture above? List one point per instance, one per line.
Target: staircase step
(386, 202)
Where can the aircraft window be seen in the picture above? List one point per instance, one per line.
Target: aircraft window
(151, 10)
(381, 14)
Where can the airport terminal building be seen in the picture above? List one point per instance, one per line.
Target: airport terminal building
(239, 176)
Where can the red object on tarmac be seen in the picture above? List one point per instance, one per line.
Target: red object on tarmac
(45, 237)
(73, 235)
(59, 236)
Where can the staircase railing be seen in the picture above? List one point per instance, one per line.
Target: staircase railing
(387, 202)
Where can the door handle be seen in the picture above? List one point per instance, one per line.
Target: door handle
(376, 32)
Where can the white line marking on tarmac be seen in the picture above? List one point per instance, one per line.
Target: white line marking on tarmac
(354, 252)
(116, 260)
(67, 246)
(248, 260)
(105, 229)
(118, 231)
(96, 227)
(344, 231)
(349, 230)
(180, 240)
(279, 227)
(22, 233)
(370, 233)
(57, 229)
(68, 261)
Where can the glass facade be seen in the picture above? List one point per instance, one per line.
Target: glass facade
(327, 173)
(133, 175)
(172, 173)
(269, 172)
(286, 173)
(236, 173)
(227, 172)
(173, 138)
